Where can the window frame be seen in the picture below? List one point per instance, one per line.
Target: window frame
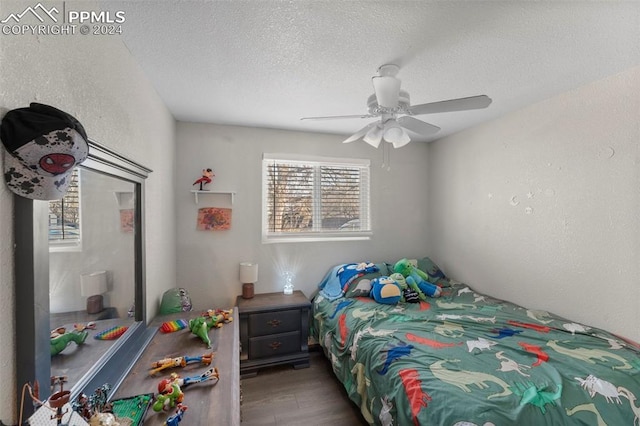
(269, 237)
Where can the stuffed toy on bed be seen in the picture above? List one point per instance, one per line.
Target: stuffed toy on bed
(385, 290)
(416, 279)
(409, 295)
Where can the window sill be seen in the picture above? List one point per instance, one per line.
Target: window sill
(342, 236)
(65, 248)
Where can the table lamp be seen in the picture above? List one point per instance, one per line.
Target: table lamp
(248, 276)
(92, 286)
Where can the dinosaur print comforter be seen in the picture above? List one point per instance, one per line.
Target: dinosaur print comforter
(468, 359)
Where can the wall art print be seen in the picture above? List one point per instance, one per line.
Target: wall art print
(214, 219)
(126, 220)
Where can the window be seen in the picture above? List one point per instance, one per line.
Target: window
(64, 218)
(314, 198)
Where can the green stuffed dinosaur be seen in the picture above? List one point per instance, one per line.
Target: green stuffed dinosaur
(416, 279)
(200, 327)
(59, 341)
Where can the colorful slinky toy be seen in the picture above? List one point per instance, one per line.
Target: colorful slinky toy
(171, 326)
(111, 333)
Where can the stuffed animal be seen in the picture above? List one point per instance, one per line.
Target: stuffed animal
(416, 279)
(60, 339)
(409, 295)
(385, 290)
(200, 327)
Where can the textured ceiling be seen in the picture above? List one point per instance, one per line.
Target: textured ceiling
(268, 63)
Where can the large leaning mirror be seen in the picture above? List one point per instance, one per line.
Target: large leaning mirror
(80, 289)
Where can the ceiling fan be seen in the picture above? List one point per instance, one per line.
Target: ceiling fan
(392, 105)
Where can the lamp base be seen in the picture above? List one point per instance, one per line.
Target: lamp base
(95, 304)
(247, 290)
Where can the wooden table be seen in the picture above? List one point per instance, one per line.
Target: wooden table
(209, 404)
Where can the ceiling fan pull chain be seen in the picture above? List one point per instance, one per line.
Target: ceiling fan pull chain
(386, 146)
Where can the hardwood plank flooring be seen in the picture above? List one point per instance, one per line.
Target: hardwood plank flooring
(283, 396)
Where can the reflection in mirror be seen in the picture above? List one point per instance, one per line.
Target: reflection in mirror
(106, 235)
(91, 271)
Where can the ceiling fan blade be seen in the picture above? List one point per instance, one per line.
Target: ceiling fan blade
(360, 133)
(417, 126)
(333, 117)
(387, 89)
(460, 104)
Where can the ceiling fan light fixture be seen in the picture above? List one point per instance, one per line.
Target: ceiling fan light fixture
(402, 141)
(395, 134)
(374, 136)
(360, 133)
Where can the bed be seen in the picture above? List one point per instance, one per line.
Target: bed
(469, 359)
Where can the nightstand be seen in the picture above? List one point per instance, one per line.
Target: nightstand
(274, 328)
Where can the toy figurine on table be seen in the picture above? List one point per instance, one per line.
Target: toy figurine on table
(170, 390)
(180, 361)
(219, 316)
(176, 418)
(169, 394)
(95, 408)
(207, 177)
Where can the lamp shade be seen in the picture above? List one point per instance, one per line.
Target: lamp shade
(93, 284)
(248, 272)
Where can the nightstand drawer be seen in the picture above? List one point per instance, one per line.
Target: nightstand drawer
(274, 322)
(274, 345)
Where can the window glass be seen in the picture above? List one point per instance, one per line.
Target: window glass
(64, 218)
(315, 198)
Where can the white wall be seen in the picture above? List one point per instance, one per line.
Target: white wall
(95, 79)
(541, 206)
(208, 261)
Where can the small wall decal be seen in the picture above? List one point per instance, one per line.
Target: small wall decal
(214, 219)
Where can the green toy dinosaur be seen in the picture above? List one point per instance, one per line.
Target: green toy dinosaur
(200, 327)
(59, 341)
(416, 279)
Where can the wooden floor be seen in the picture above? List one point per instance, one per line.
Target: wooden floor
(309, 396)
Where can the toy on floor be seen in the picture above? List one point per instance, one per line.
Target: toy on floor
(206, 178)
(176, 418)
(85, 326)
(180, 361)
(60, 339)
(416, 279)
(170, 390)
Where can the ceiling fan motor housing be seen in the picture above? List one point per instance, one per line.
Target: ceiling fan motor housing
(401, 108)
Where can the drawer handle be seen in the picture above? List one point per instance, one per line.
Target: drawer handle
(275, 345)
(274, 322)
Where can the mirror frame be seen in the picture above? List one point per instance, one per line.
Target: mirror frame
(31, 277)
